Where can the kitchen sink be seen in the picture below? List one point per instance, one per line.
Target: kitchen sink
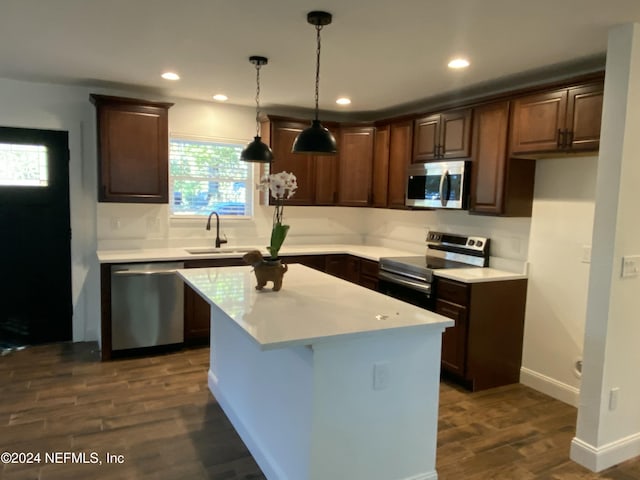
(213, 250)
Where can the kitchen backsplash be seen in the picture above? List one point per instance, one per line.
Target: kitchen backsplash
(127, 226)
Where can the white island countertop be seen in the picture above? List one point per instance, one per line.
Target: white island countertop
(311, 307)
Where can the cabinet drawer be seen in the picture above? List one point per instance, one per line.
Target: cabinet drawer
(368, 268)
(451, 291)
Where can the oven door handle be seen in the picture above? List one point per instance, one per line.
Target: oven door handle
(420, 287)
(444, 181)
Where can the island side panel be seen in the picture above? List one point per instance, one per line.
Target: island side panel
(266, 395)
(359, 431)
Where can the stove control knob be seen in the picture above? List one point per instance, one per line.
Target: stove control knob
(479, 243)
(471, 243)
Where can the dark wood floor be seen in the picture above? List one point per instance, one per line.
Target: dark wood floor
(159, 415)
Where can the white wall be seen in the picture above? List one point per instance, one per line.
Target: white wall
(608, 429)
(561, 226)
(408, 229)
(35, 105)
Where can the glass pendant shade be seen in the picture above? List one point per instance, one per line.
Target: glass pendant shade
(315, 140)
(257, 151)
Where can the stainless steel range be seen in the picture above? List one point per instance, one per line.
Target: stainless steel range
(411, 278)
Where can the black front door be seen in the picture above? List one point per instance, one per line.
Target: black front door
(35, 237)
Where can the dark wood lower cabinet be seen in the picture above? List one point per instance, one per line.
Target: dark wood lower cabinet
(453, 338)
(197, 312)
(484, 347)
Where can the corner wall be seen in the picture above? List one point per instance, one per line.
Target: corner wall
(608, 429)
(561, 229)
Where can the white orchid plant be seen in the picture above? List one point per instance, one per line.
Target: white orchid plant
(282, 186)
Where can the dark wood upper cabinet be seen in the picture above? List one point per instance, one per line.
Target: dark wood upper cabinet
(355, 166)
(499, 185)
(563, 120)
(133, 149)
(400, 147)
(280, 135)
(442, 135)
(317, 176)
(326, 175)
(380, 180)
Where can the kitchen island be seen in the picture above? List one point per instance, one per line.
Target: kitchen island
(324, 379)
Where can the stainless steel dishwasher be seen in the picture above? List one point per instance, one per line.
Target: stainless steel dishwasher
(147, 305)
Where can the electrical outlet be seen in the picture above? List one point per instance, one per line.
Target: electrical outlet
(381, 375)
(586, 254)
(115, 223)
(630, 266)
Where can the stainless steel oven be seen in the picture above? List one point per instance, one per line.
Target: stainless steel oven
(411, 278)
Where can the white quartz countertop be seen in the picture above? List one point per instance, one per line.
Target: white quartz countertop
(477, 275)
(311, 307)
(182, 253)
(370, 252)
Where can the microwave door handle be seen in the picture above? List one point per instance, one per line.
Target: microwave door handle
(444, 179)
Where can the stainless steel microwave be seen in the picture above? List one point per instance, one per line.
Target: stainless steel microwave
(438, 185)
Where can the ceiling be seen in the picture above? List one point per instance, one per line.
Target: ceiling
(382, 54)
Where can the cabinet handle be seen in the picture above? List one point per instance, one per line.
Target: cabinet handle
(335, 198)
(560, 138)
(450, 312)
(569, 139)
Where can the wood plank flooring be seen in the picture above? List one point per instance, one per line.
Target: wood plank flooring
(159, 415)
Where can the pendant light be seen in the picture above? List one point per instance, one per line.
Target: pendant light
(257, 151)
(316, 139)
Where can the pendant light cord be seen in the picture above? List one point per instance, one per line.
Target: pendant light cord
(318, 28)
(258, 99)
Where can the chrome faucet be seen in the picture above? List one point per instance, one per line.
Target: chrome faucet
(219, 241)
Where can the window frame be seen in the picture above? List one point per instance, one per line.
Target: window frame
(194, 218)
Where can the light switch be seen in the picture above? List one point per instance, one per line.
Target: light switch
(630, 266)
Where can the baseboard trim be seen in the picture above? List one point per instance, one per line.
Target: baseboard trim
(550, 386)
(600, 458)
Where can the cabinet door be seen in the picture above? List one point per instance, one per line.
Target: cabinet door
(454, 338)
(355, 166)
(316, 262)
(455, 134)
(536, 121)
(400, 142)
(352, 269)
(426, 138)
(326, 172)
(197, 317)
(336, 265)
(584, 116)
(369, 274)
(489, 158)
(133, 150)
(282, 136)
(381, 166)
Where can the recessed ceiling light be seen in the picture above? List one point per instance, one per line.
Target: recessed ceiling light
(343, 101)
(170, 76)
(458, 63)
(219, 97)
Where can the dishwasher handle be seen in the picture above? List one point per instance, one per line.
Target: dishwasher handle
(131, 273)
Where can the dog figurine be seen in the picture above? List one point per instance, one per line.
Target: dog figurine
(265, 271)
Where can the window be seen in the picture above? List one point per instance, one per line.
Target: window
(23, 165)
(207, 175)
